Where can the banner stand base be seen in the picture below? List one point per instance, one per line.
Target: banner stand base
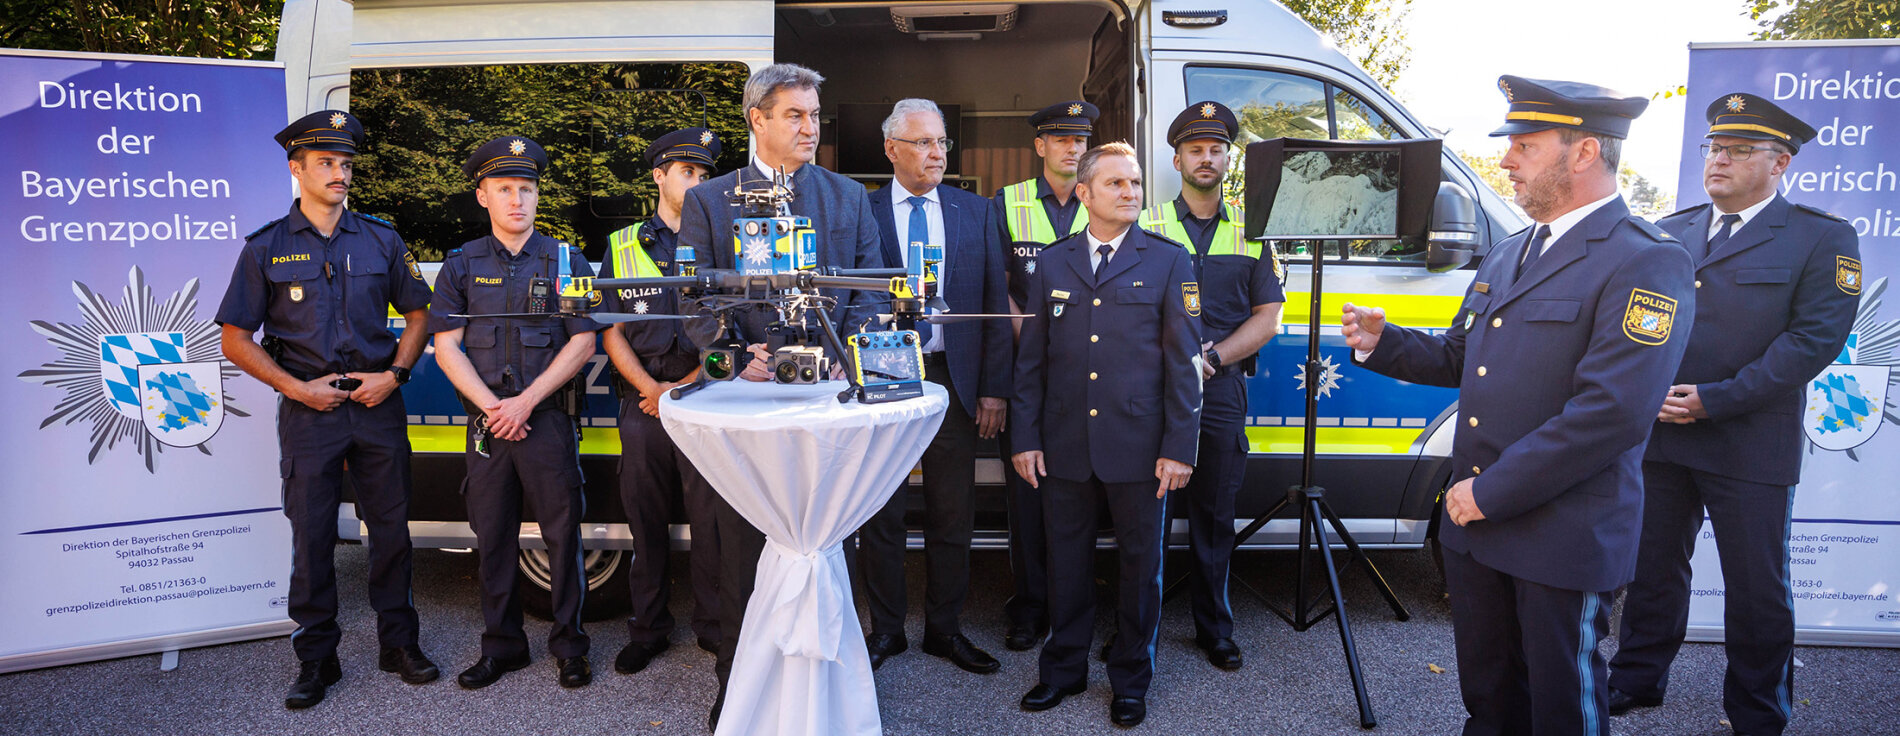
(168, 661)
(1811, 637)
(168, 644)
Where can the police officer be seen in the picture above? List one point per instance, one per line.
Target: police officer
(650, 359)
(1107, 403)
(1241, 297)
(320, 282)
(1035, 213)
(522, 445)
(1564, 345)
(1777, 286)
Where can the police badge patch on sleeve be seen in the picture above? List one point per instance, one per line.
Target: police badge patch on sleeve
(1649, 316)
(1847, 275)
(1191, 297)
(414, 269)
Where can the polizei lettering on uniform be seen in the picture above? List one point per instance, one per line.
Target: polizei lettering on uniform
(118, 97)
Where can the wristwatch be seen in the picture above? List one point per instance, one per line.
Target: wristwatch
(1213, 358)
(401, 374)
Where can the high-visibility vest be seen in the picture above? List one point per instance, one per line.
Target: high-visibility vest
(1028, 221)
(630, 261)
(1162, 220)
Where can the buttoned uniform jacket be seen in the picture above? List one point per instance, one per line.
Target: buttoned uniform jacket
(978, 351)
(1774, 305)
(1106, 381)
(1560, 374)
(840, 214)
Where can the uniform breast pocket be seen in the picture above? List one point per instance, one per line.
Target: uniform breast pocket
(294, 282)
(1551, 310)
(1138, 295)
(479, 336)
(369, 281)
(1763, 276)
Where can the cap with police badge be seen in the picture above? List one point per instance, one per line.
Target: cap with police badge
(1742, 115)
(323, 130)
(1207, 120)
(1543, 104)
(1074, 117)
(692, 145)
(509, 155)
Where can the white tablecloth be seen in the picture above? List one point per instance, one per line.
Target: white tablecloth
(807, 471)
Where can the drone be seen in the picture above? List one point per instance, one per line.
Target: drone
(776, 271)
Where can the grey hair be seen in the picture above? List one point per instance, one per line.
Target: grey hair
(1085, 166)
(904, 108)
(764, 84)
(1609, 148)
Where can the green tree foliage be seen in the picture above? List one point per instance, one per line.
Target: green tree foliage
(215, 29)
(1371, 32)
(1825, 19)
(595, 120)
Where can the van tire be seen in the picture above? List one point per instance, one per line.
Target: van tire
(606, 573)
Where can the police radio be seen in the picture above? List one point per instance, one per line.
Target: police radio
(889, 365)
(540, 295)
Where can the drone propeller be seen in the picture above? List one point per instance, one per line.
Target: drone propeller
(945, 318)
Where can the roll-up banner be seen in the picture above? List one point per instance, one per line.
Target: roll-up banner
(140, 503)
(1844, 543)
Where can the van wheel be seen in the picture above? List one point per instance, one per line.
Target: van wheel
(604, 569)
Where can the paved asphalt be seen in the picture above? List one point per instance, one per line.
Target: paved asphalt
(1293, 683)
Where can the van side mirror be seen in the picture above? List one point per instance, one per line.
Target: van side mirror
(1453, 237)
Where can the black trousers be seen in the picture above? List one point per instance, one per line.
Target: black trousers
(655, 479)
(1527, 653)
(1209, 501)
(1028, 604)
(949, 516)
(740, 544)
(544, 470)
(315, 445)
(1751, 523)
(1070, 509)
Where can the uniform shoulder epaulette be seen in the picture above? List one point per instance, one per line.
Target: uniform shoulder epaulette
(1652, 230)
(377, 220)
(1685, 210)
(453, 252)
(1821, 212)
(267, 226)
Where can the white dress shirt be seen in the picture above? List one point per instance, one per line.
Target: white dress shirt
(1715, 223)
(1095, 245)
(933, 217)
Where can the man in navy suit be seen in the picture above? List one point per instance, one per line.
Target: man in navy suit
(1108, 397)
(969, 358)
(1562, 349)
(781, 107)
(1777, 285)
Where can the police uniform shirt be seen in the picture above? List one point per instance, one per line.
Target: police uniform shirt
(1061, 218)
(662, 346)
(1231, 285)
(327, 299)
(457, 292)
(933, 219)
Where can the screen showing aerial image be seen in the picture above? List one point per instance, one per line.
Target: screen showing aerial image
(1336, 194)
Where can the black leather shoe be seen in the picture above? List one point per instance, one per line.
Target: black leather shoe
(487, 670)
(313, 678)
(410, 663)
(575, 672)
(635, 655)
(1621, 702)
(1044, 696)
(885, 646)
(1022, 638)
(1222, 653)
(960, 652)
(1127, 712)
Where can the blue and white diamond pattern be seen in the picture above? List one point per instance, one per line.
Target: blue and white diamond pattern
(120, 356)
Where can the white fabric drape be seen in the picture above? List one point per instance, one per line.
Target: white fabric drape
(807, 471)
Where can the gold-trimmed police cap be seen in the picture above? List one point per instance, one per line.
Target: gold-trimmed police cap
(323, 130)
(1206, 120)
(1074, 117)
(1742, 115)
(692, 145)
(1543, 104)
(509, 155)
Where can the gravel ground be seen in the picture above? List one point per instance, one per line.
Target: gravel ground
(1293, 682)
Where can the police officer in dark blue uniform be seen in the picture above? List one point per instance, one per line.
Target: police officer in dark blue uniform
(522, 444)
(1777, 286)
(1564, 346)
(649, 359)
(1241, 297)
(320, 283)
(1107, 403)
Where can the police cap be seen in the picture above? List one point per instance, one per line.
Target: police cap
(323, 130)
(1074, 117)
(1742, 115)
(692, 145)
(1542, 104)
(509, 155)
(1207, 120)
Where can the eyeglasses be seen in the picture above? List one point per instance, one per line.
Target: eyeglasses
(1738, 152)
(924, 144)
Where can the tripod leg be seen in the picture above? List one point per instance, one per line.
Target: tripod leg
(1359, 556)
(1366, 717)
(1304, 608)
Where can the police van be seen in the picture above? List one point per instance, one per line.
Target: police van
(431, 78)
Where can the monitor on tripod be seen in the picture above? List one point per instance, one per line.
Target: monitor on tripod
(1341, 190)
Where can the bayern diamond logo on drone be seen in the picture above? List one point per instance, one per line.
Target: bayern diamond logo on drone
(758, 252)
(182, 404)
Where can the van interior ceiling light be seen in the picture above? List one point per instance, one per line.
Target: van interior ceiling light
(953, 21)
(1194, 18)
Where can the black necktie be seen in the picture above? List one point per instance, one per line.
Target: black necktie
(1532, 251)
(1721, 236)
(1106, 250)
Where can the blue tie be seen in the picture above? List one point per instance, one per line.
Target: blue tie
(1722, 235)
(1535, 249)
(919, 232)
